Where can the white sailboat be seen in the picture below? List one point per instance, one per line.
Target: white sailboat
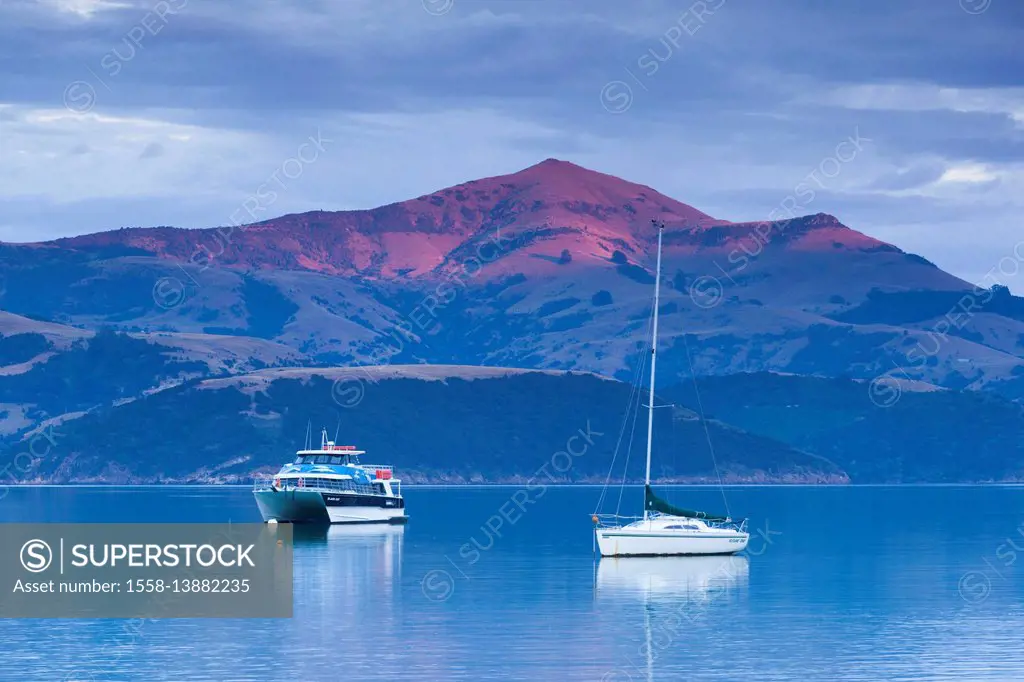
(665, 530)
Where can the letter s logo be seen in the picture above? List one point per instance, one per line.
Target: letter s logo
(36, 556)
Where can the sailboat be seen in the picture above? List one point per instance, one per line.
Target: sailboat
(666, 530)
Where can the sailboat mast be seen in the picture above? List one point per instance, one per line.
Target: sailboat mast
(654, 357)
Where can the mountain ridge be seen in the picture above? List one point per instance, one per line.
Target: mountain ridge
(573, 207)
(510, 422)
(550, 268)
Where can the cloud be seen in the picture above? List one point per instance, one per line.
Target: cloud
(178, 121)
(968, 173)
(152, 151)
(124, 156)
(1007, 102)
(85, 8)
(913, 176)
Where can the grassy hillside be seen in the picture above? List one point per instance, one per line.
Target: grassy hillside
(899, 436)
(453, 428)
(109, 366)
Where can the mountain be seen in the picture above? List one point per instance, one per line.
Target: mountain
(450, 424)
(920, 436)
(543, 209)
(547, 268)
(503, 425)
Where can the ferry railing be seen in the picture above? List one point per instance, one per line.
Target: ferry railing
(261, 483)
(314, 483)
(381, 467)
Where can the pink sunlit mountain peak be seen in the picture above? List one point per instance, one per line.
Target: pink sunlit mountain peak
(554, 206)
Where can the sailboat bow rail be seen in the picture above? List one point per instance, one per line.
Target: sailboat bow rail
(618, 520)
(614, 519)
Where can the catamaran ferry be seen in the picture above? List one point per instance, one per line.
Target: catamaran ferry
(329, 485)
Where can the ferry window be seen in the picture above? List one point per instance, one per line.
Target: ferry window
(336, 459)
(322, 459)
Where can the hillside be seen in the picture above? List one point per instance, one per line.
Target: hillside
(894, 433)
(435, 424)
(457, 424)
(550, 268)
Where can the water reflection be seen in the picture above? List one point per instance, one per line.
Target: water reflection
(695, 577)
(368, 534)
(879, 601)
(357, 561)
(674, 594)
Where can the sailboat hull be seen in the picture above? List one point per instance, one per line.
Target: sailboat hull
(630, 541)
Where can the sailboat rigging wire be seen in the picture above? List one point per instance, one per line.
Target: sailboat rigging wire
(629, 452)
(704, 421)
(636, 415)
(629, 407)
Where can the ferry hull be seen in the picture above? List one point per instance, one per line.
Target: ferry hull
(308, 506)
(638, 542)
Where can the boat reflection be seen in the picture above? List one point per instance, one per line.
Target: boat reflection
(690, 577)
(369, 534)
(673, 593)
(357, 562)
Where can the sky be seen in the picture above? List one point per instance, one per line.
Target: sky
(904, 119)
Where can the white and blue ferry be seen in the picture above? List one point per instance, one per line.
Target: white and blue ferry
(330, 485)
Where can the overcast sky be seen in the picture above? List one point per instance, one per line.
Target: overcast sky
(123, 113)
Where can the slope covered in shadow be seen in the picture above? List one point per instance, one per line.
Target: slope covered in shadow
(461, 426)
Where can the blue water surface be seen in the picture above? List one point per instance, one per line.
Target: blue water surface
(840, 583)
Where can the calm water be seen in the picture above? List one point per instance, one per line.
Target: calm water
(855, 584)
